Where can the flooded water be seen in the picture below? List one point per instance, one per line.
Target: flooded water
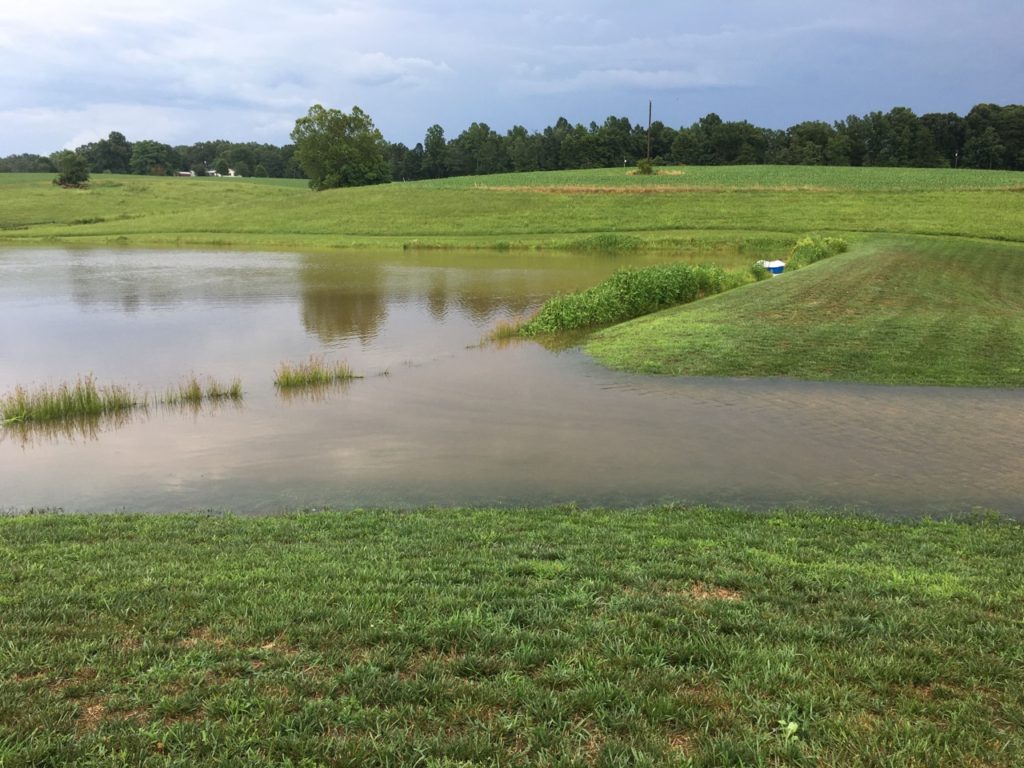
(438, 418)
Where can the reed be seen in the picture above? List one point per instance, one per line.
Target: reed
(192, 392)
(66, 401)
(313, 372)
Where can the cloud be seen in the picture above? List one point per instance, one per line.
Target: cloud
(227, 67)
(379, 69)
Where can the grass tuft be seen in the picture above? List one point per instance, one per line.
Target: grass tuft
(313, 372)
(192, 392)
(84, 398)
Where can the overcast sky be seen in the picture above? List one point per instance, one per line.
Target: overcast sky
(181, 71)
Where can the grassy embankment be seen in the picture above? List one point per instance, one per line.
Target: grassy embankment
(937, 311)
(542, 637)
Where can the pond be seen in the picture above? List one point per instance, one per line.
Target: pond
(440, 418)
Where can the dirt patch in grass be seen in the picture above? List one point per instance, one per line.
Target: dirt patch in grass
(205, 636)
(681, 744)
(93, 712)
(701, 591)
(658, 189)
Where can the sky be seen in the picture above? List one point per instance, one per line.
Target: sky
(182, 71)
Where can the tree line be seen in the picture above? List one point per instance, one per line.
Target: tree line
(990, 136)
(116, 154)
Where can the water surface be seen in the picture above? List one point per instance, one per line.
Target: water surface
(438, 418)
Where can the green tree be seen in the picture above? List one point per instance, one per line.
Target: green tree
(435, 153)
(151, 158)
(340, 150)
(112, 154)
(72, 167)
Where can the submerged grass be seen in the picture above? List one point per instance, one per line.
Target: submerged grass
(311, 373)
(192, 392)
(551, 637)
(84, 398)
(82, 409)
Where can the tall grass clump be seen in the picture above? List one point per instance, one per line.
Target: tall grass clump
(808, 250)
(67, 401)
(627, 294)
(314, 372)
(192, 392)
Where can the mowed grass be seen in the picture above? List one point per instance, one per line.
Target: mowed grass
(920, 311)
(559, 636)
(541, 210)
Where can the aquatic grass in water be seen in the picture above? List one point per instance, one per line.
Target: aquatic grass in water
(314, 372)
(192, 392)
(83, 398)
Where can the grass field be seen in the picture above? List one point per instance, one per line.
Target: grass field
(906, 311)
(545, 637)
(536, 210)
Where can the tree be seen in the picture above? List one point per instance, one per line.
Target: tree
(112, 154)
(340, 150)
(435, 153)
(151, 158)
(72, 167)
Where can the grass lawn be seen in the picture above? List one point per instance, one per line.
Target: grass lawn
(911, 311)
(554, 636)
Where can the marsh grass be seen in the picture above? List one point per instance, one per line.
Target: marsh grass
(84, 398)
(505, 331)
(192, 392)
(315, 372)
(85, 408)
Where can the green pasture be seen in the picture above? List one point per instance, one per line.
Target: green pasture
(548, 637)
(537, 210)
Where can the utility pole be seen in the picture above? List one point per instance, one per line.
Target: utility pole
(650, 107)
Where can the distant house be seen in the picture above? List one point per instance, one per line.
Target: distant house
(185, 173)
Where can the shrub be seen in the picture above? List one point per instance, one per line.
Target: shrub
(811, 249)
(627, 294)
(644, 167)
(73, 169)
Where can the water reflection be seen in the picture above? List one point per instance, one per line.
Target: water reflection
(341, 301)
(73, 429)
(312, 393)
